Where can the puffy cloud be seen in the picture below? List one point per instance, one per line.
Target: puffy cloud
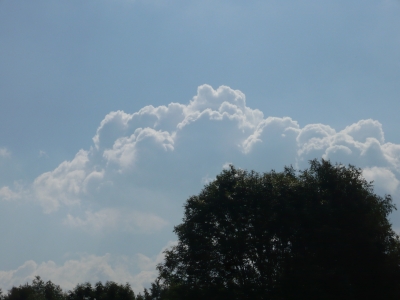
(125, 148)
(271, 131)
(365, 129)
(15, 192)
(384, 180)
(66, 183)
(7, 194)
(313, 132)
(139, 271)
(136, 144)
(190, 142)
(219, 104)
(351, 145)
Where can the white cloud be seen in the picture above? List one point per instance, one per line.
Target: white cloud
(139, 271)
(226, 165)
(207, 179)
(110, 219)
(351, 145)
(364, 129)
(314, 131)
(7, 194)
(42, 153)
(138, 142)
(124, 149)
(4, 152)
(172, 149)
(336, 151)
(272, 130)
(66, 183)
(383, 179)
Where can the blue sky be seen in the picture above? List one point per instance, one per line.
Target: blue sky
(114, 112)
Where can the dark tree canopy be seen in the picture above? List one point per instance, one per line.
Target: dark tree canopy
(321, 233)
(38, 290)
(109, 291)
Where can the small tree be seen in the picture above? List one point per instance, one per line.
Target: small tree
(321, 233)
(109, 291)
(38, 290)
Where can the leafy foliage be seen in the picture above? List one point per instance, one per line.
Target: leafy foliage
(319, 233)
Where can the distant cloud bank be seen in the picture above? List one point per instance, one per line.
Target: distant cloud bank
(139, 271)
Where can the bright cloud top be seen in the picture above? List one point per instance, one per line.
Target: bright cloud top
(216, 125)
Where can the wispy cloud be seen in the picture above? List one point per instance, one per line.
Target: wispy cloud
(7, 194)
(4, 152)
(110, 219)
(42, 153)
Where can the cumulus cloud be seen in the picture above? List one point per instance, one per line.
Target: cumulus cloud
(141, 158)
(134, 142)
(384, 180)
(365, 129)
(139, 271)
(124, 149)
(66, 183)
(350, 145)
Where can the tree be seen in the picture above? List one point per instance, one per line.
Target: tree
(321, 233)
(109, 291)
(38, 290)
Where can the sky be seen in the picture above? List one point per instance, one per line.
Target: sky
(114, 112)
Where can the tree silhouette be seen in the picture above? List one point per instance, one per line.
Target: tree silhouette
(321, 233)
(109, 291)
(38, 290)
